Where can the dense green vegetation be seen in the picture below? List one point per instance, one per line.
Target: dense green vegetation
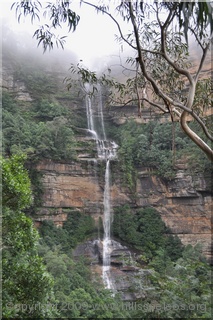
(179, 282)
(151, 145)
(26, 130)
(146, 231)
(25, 280)
(76, 228)
(40, 278)
(181, 289)
(76, 292)
(45, 128)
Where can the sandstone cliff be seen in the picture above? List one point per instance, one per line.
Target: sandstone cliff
(184, 203)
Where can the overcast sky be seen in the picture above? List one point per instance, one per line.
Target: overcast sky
(93, 41)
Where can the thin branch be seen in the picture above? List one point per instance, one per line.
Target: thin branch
(144, 99)
(140, 58)
(116, 22)
(176, 112)
(151, 51)
(170, 17)
(198, 119)
(166, 57)
(180, 70)
(155, 86)
(196, 37)
(137, 91)
(155, 105)
(157, 15)
(205, 50)
(187, 108)
(125, 103)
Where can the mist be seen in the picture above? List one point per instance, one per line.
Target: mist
(93, 44)
(93, 47)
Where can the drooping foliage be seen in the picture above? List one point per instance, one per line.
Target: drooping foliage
(161, 55)
(58, 13)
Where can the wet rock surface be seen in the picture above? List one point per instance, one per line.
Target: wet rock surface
(127, 277)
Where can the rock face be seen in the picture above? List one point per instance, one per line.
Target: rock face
(184, 203)
(9, 83)
(76, 185)
(127, 278)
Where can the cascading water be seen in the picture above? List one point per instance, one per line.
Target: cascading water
(107, 225)
(106, 150)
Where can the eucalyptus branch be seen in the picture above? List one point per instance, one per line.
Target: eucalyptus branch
(137, 92)
(186, 109)
(144, 99)
(198, 119)
(155, 86)
(116, 22)
(152, 51)
(196, 37)
(205, 50)
(157, 14)
(140, 58)
(172, 63)
(177, 112)
(155, 105)
(194, 137)
(124, 104)
(170, 17)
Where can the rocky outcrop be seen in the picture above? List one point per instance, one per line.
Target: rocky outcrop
(127, 277)
(9, 83)
(184, 203)
(76, 185)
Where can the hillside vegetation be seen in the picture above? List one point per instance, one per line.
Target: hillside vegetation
(38, 264)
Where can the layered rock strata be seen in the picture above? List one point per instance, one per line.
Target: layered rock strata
(184, 203)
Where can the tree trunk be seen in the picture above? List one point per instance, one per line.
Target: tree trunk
(194, 137)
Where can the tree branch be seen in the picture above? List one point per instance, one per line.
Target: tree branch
(140, 58)
(165, 55)
(156, 105)
(186, 109)
(194, 137)
(205, 50)
(116, 22)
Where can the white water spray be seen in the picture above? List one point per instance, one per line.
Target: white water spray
(107, 150)
(107, 225)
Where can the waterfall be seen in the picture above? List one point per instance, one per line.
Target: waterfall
(90, 122)
(107, 225)
(100, 110)
(106, 151)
